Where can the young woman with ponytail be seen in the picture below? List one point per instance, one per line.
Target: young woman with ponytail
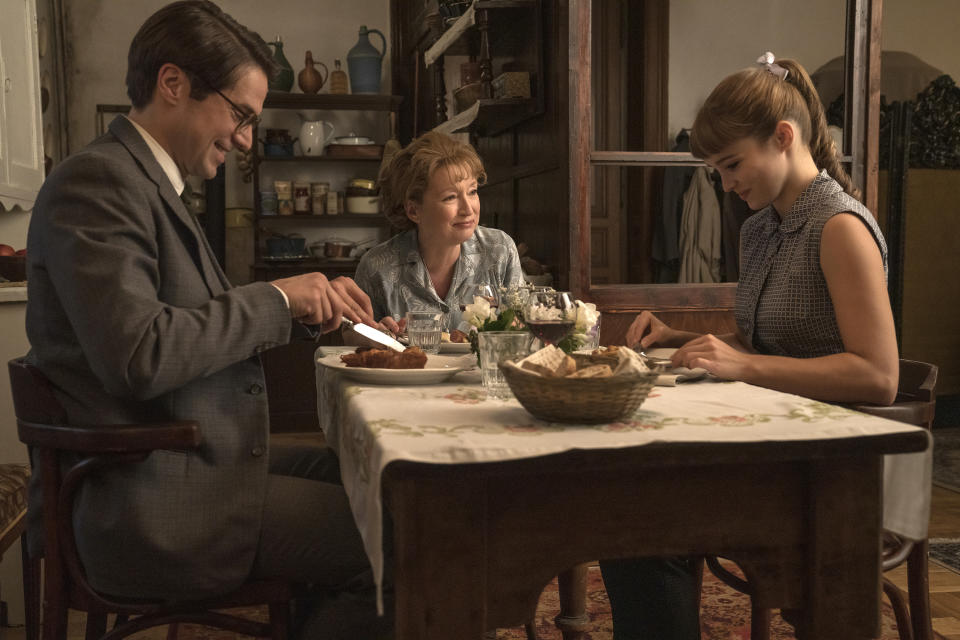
(812, 311)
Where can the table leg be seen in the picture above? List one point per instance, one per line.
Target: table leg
(843, 557)
(572, 619)
(441, 560)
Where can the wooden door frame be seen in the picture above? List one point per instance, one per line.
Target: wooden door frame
(864, 21)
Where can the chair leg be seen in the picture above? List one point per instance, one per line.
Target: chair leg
(918, 590)
(96, 625)
(279, 620)
(31, 592)
(900, 611)
(759, 623)
(172, 631)
(531, 629)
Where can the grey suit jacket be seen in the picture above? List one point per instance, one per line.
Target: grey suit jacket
(132, 320)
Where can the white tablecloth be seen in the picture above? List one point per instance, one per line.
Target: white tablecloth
(370, 426)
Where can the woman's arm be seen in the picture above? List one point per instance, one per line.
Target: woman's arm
(867, 370)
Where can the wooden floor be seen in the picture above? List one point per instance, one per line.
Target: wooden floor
(944, 583)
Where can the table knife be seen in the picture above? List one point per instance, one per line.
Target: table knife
(373, 334)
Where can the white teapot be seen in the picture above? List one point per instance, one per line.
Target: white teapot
(313, 139)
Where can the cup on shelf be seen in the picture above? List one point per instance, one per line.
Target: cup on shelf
(318, 197)
(301, 197)
(284, 189)
(268, 203)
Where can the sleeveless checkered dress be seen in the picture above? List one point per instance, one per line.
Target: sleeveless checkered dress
(783, 306)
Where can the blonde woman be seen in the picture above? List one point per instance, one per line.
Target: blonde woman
(429, 192)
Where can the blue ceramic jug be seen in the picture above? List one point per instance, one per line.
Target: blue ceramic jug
(363, 62)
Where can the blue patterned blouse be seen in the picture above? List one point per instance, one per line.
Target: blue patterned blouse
(397, 281)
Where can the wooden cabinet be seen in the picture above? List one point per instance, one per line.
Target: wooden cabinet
(501, 35)
(317, 168)
(21, 135)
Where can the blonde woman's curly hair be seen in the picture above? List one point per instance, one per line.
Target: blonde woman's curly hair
(408, 173)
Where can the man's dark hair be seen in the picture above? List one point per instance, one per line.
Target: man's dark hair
(201, 39)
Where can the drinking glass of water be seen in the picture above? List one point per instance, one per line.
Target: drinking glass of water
(424, 329)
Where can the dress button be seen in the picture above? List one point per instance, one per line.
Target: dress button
(255, 389)
(256, 452)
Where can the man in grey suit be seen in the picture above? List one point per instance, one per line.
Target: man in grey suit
(132, 320)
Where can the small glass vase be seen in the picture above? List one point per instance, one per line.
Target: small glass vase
(496, 347)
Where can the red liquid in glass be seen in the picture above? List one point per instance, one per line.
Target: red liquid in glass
(551, 332)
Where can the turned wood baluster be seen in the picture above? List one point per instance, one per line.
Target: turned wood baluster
(486, 66)
(440, 91)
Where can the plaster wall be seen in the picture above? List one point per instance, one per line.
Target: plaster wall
(98, 34)
(709, 40)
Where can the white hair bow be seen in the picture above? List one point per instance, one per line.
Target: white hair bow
(767, 60)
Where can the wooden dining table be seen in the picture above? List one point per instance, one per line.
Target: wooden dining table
(488, 503)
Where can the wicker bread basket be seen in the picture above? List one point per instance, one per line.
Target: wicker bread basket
(579, 400)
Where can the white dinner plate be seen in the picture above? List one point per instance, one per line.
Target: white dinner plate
(438, 369)
(454, 347)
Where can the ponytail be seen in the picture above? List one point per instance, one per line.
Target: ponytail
(823, 148)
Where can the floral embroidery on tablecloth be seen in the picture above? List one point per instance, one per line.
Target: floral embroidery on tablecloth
(466, 396)
(629, 425)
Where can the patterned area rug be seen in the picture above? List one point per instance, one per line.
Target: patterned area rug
(946, 458)
(946, 552)
(725, 615)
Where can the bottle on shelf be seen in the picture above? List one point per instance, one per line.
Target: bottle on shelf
(338, 79)
(310, 79)
(284, 79)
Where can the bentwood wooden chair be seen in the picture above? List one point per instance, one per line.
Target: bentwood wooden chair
(67, 455)
(13, 518)
(915, 404)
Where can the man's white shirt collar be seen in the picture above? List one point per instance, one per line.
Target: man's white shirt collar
(163, 158)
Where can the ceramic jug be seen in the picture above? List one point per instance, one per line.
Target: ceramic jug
(312, 138)
(311, 80)
(284, 79)
(363, 62)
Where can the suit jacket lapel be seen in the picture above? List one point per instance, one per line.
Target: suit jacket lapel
(202, 253)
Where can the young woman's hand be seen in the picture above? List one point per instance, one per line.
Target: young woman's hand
(647, 330)
(715, 355)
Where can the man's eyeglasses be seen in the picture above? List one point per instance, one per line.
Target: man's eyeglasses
(242, 117)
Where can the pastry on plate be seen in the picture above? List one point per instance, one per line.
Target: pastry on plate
(410, 358)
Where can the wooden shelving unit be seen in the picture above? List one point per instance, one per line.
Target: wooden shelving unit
(517, 26)
(264, 269)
